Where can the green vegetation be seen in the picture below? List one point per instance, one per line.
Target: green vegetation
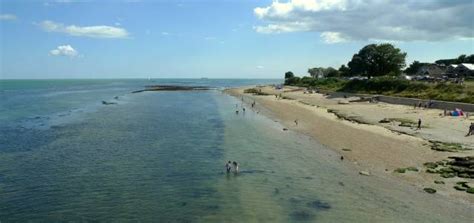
(446, 147)
(429, 190)
(403, 170)
(391, 86)
(381, 65)
(439, 182)
(377, 60)
(461, 59)
(414, 67)
(254, 91)
(462, 167)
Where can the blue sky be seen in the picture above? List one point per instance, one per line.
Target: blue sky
(219, 39)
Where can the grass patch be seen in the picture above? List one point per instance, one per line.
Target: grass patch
(447, 147)
(403, 170)
(255, 91)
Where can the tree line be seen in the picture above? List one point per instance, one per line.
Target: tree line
(374, 60)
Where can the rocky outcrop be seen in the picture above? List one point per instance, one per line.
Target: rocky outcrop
(172, 88)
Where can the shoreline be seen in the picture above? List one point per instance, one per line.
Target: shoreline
(372, 148)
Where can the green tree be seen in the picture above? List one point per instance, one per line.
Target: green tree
(292, 81)
(331, 72)
(289, 74)
(344, 71)
(316, 72)
(414, 67)
(378, 60)
(469, 59)
(461, 59)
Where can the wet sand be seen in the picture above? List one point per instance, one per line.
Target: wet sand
(375, 148)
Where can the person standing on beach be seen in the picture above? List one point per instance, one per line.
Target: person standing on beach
(471, 129)
(296, 121)
(419, 124)
(228, 166)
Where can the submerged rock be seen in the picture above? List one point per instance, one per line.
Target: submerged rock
(108, 103)
(301, 215)
(172, 88)
(319, 205)
(276, 191)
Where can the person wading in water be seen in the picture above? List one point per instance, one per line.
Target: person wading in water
(228, 166)
(236, 167)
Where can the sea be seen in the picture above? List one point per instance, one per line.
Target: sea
(65, 156)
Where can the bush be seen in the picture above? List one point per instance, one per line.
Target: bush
(292, 81)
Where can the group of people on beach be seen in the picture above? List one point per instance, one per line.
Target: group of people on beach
(232, 165)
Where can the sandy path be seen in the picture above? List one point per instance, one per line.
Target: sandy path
(372, 148)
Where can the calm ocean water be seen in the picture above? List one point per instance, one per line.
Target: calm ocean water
(159, 156)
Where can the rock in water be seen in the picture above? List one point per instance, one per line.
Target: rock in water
(319, 205)
(301, 216)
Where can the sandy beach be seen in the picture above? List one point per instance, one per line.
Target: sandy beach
(375, 148)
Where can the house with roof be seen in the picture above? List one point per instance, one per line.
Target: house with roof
(465, 70)
(432, 70)
(461, 70)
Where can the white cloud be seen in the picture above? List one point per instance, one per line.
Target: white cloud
(283, 27)
(343, 20)
(64, 50)
(88, 31)
(7, 17)
(333, 37)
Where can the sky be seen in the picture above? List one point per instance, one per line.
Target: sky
(219, 39)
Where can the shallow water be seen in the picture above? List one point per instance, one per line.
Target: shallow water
(159, 156)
